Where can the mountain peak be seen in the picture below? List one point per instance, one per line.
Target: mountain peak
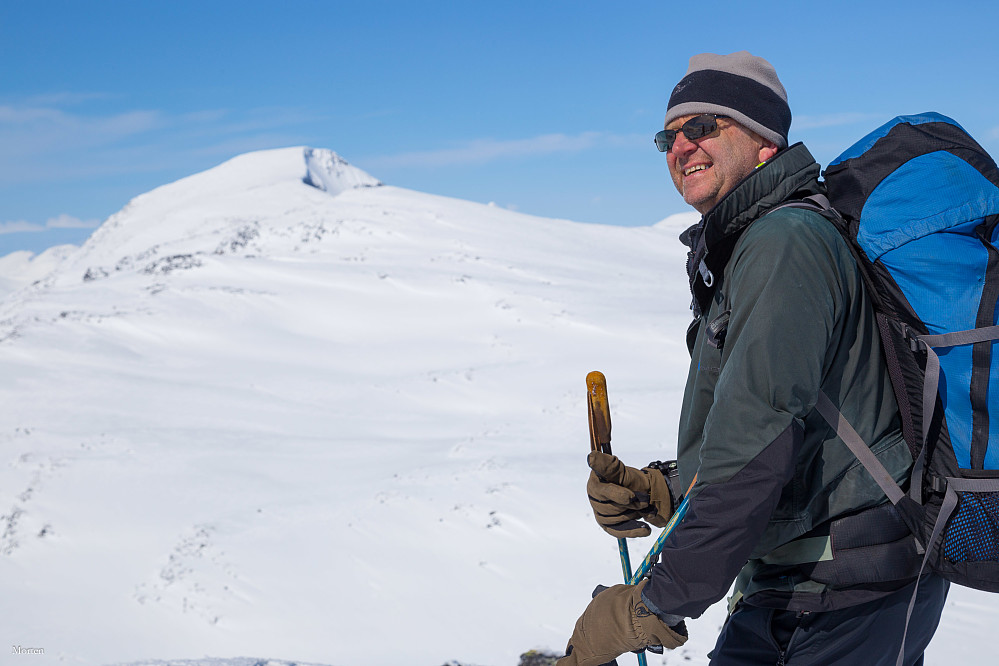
(331, 173)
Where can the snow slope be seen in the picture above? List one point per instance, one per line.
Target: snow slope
(280, 409)
(21, 268)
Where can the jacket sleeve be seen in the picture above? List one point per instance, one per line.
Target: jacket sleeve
(785, 293)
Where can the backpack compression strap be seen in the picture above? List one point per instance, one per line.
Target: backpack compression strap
(828, 410)
(856, 444)
(931, 380)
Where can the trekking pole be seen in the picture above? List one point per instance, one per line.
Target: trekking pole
(657, 547)
(600, 435)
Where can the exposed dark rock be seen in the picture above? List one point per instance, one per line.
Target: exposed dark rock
(167, 265)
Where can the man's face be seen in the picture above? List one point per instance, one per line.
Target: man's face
(705, 170)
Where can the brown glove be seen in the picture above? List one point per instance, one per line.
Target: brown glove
(615, 622)
(623, 496)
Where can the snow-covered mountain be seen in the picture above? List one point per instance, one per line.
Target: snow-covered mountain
(280, 409)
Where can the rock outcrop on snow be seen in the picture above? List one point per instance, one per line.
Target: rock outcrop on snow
(331, 173)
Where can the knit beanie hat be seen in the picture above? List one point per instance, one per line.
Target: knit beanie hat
(741, 86)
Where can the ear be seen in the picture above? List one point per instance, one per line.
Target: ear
(767, 150)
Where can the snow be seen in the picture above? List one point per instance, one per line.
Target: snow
(211, 661)
(19, 269)
(279, 409)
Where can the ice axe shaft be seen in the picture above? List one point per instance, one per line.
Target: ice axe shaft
(600, 436)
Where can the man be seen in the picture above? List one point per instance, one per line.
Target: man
(823, 567)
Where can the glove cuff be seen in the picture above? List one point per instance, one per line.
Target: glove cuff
(650, 629)
(660, 498)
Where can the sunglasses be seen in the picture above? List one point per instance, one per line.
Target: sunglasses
(695, 128)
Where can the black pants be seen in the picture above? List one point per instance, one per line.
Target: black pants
(868, 634)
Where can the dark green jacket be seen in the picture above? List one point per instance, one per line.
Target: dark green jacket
(783, 314)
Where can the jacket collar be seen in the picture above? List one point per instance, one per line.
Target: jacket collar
(790, 174)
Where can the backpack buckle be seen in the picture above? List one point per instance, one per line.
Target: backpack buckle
(915, 344)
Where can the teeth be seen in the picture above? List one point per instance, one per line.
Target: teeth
(694, 169)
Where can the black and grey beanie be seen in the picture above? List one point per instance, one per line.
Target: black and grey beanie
(739, 85)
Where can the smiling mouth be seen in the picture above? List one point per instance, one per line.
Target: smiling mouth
(695, 169)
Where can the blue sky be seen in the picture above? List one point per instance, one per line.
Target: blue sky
(544, 107)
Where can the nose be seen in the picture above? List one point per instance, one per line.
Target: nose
(682, 146)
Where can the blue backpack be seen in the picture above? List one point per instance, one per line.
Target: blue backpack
(918, 202)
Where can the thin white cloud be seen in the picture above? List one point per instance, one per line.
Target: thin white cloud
(481, 151)
(26, 115)
(19, 117)
(53, 142)
(28, 130)
(65, 221)
(62, 221)
(18, 226)
(64, 98)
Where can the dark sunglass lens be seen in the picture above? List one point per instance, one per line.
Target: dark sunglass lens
(698, 127)
(665, 139)
(695, 128)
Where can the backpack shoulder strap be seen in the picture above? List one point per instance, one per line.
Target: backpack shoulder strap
(817, 202)
(828, 410)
